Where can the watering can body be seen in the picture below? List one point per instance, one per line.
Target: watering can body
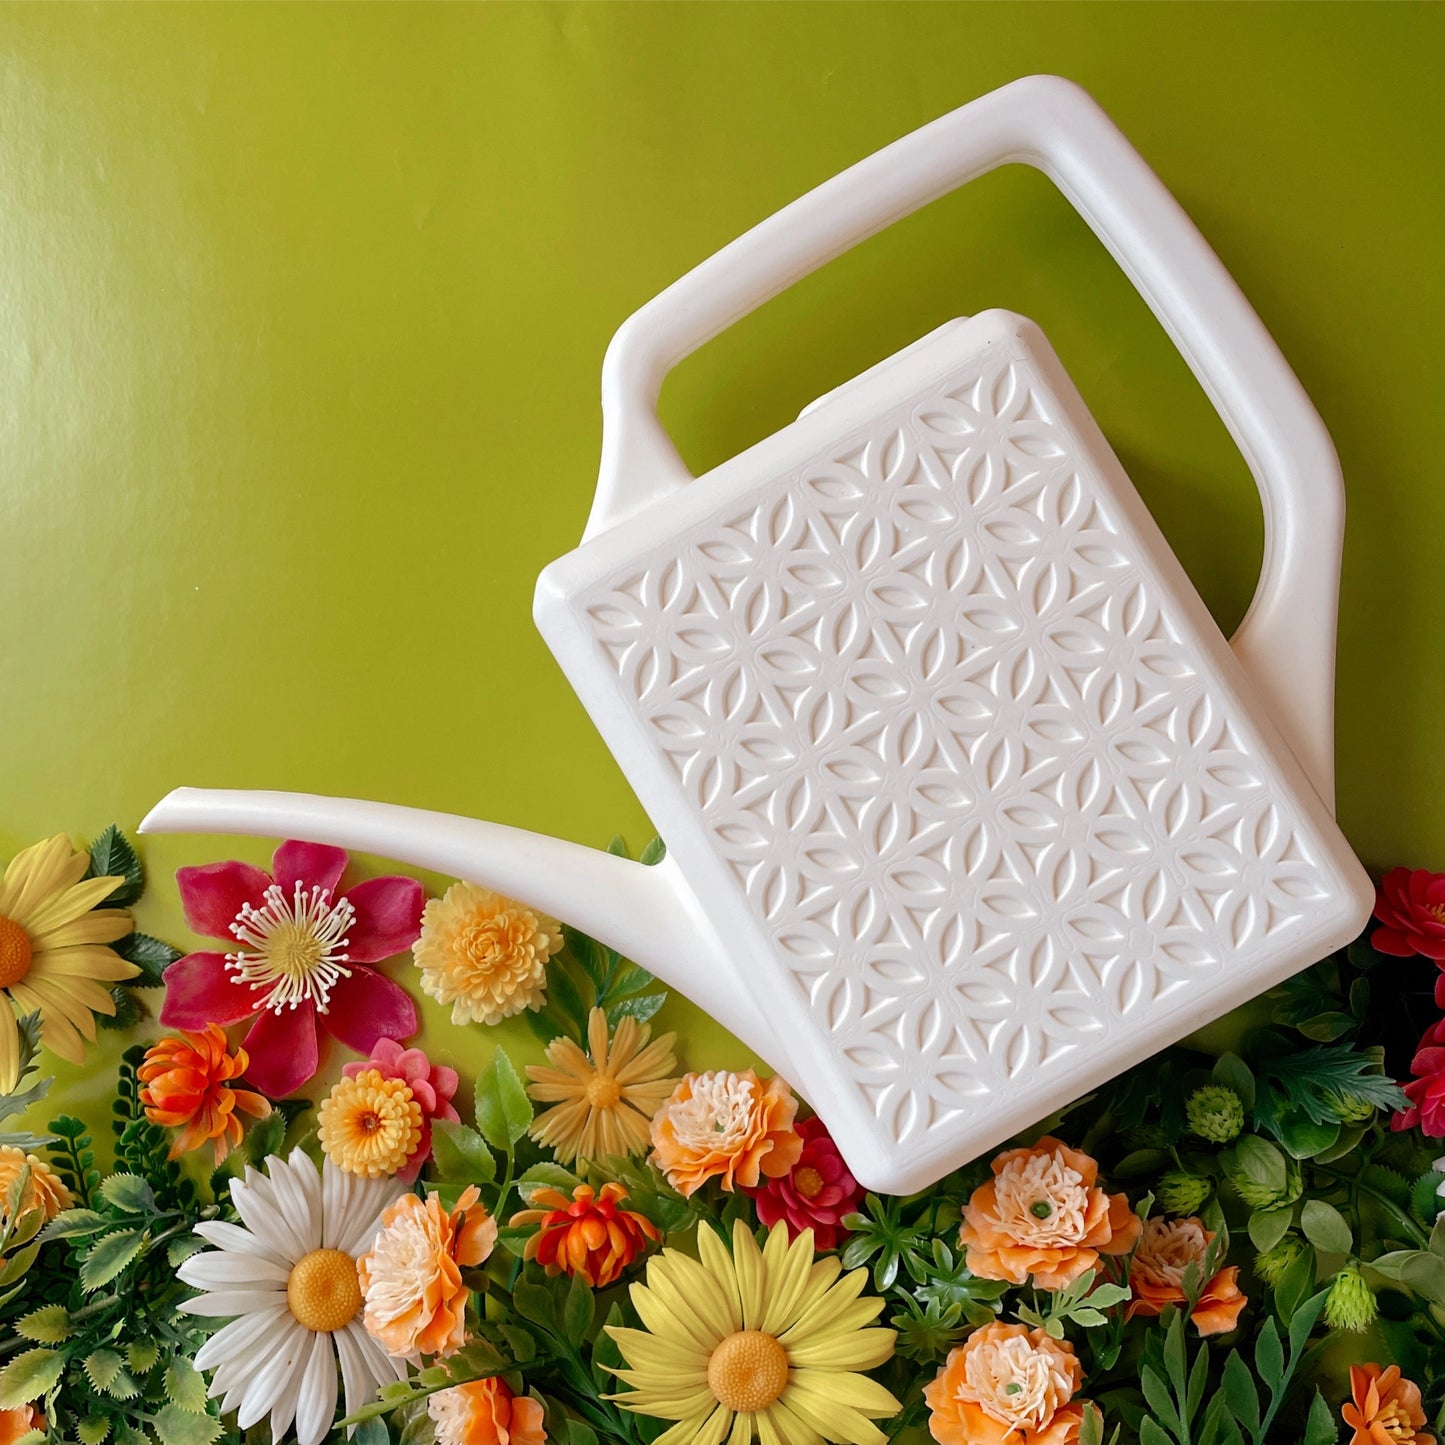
(969, 805)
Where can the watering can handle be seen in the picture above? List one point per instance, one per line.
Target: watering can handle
(1287, 640)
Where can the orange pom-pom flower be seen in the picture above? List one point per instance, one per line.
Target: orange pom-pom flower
(187, 1086)
(586, 1235)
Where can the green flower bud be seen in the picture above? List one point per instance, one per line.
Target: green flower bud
(1215, 1112)
(1272, 1264)
(1262, 1196)
(1346, 1107)
(1181, 1194)
(1350, 1304)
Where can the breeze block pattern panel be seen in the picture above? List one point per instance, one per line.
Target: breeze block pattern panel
(948, 731)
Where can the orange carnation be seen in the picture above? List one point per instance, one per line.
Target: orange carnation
(188, 1087)
(1043, 1215)
(1007, 1385)
(732, 1127)
(45, 1190)
(1386, 1408)
(1166, 1249)
(411, 1280)
(586, 1235)
(485, 1412)
(18, 1421)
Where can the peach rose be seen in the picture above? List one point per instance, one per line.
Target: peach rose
(1166, 1249)
(485, 1412)
(1043, 1216)
(732, 1127)
(1386, 1408)
(411, 1279)
(1007, 1385)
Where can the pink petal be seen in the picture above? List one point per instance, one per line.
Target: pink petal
(283, 1050)
(408, 1172)
(445, 1081)
(200, 991)
(310, 865)
(388, 918)
(366, 1007)
(214, 894)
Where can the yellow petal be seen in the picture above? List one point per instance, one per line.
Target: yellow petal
(57, 1032)
(715, 1428)
(833, 1419)
(748, 1266)
(551, 1086)
(67, 904)
(716, 1260)
(100, 925)
(862, 1350)
(85, 961)
(787, 1280)
(597, 1039)
(716, 1303)
(685, 1432)
(655, 1060)
(669, 1313)
(857, 1392)
(36, 872)
(9, 1049)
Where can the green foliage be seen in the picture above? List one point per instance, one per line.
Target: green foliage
(25, 1094)
(1081, 1303)
(111, 856)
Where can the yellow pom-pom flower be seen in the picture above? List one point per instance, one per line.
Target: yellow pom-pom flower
(370, 1125)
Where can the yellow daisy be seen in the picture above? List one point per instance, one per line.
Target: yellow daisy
(763, 1344)
(52, 950)
(602, 1104)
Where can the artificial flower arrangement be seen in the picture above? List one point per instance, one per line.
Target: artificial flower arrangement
(1228, 1246)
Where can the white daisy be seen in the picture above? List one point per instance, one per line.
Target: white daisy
(288, 1280)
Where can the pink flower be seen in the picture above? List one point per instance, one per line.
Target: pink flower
(1426, 1092)
(300, 960)
(815, 1194)
(432, 1086)
(1410, 905)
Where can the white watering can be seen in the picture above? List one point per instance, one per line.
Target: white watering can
(969, 805)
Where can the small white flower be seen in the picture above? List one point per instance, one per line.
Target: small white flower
(288, 1280)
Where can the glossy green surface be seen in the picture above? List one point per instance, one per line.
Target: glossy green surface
(302, 311)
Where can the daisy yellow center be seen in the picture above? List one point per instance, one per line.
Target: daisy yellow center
(747, 1371)
(323, 1292)
(295, 948)
(14, 952)
(603, 1093)
(808, 1182)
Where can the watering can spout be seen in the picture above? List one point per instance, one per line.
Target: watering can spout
(648, 914)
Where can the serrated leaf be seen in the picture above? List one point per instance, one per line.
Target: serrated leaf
(129, 1192)
(108, 1256)
(93, 1430)
(267, 1136)
(640, 1006)
(1321, 1427)
(151, 955)
(70, 1223)
(460, 1154)
(102, 1366)
(15, 1266)
(1325, 1227)
(128, 1011)
(185, 1386)
(503, 1109)
(111, 856)
(48, 1325)
(178, 1251)
(28, 1376)
(124, 1386)
(142, 1354)
(175, 1426)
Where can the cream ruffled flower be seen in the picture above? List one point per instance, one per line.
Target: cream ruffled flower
(53, 956)
(288, 1281)
(603, 1104)
(757, 1344)
(484, 954)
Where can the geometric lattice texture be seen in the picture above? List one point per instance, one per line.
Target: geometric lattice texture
(941, 724)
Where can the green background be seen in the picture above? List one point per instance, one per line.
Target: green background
(302, 311)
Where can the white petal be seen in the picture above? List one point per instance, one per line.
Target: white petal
(380, 1364)
(333, 1203)
(368, 1205)
(217, 1268)
(237, 1339)
(236, 1374)
(293, 1201)
(256, 1203)
(239, 1241)
(231, 1302)
(360, 1387)
(316, 1406)
(270, 1380)
(307, 1178)
(283, 1409)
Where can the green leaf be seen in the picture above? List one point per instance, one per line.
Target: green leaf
(92, 1430)
(102, 1366)
(1325, 1227)
(111, 856)
(460, 1154)
(1305, 1139)
(503, 1109)
(534, 1302)
(151, 955)
(178, 1251)
(48, 1325)
(1240, 1391)
(1268, 1226)
(563, 994)
(129, 1192)
(577, 1310)
(1302, 1322)
(28, 1376)
(1156, 1395)
(185, 1386)
(1174, 1354)
(1269, 1355)
(1231, 1071)
(372, 1432)
(267, 1136)
(640, 1007)
(546, 1175)
(1320, 1427)
(175, 1426)
(142, 1354)
(128, 1011)
(1150, 1433)
(1262, 1163)
(108, 1257)
(653, 853)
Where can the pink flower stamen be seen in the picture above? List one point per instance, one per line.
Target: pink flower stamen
(296, 947)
